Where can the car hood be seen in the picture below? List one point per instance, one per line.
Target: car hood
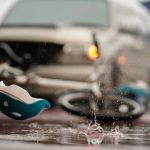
(58, 35)
(76, 37)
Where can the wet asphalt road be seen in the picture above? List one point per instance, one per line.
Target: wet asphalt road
(56, 129)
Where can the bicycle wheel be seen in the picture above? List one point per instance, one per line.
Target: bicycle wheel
(110, 106)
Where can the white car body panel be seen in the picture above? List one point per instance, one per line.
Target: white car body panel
(123, 14)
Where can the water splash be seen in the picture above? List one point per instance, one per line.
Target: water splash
(94, 134)
(114, 135)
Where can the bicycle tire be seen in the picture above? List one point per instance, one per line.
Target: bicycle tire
(65, 101)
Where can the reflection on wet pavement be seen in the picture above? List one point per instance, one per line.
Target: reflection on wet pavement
(57, 129)
(74, 135)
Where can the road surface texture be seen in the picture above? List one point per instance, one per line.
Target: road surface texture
(55, 129)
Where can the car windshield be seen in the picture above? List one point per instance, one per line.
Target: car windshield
(52, 12)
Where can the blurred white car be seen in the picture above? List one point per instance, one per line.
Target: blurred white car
(58, 33)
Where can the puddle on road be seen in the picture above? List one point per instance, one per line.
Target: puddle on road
(75, 134)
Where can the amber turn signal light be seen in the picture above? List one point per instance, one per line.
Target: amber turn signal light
(93, 52)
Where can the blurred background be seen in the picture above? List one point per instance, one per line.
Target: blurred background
(53, 39)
